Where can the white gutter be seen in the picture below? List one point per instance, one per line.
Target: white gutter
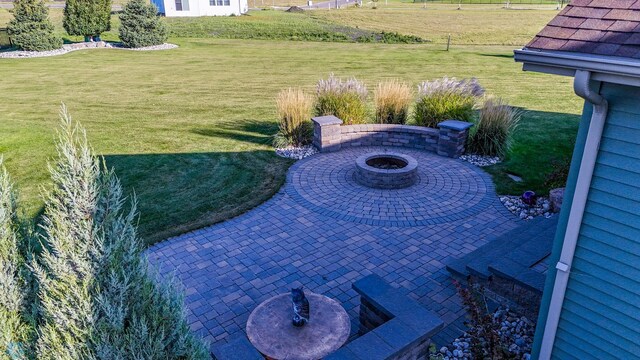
(600, 107)
(571, 61)
(610, 69)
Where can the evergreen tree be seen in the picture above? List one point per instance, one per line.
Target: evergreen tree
(99, 299)
(88, 18)
(16, 313)
(141, 26)
(30, 29)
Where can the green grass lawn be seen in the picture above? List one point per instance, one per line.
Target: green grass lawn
(189, 129)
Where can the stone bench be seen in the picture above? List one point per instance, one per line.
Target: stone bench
(392, 325)
(237, 349)
(448, 140)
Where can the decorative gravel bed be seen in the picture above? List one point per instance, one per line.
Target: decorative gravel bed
(480, 160)
(515, 331)
(297, 153)
(511, 202)
(80, 46)
(524, 211)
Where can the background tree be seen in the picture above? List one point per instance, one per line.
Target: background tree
(30, 29)
(88, 18)
(16, 293)
(141, 26)
(99, 299)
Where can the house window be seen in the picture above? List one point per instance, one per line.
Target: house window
(220, 2)
(227, 2)
(212, 2)
(182, 5)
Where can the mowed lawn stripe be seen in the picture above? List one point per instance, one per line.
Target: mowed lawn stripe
(189, 129)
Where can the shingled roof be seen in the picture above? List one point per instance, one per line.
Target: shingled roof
(599, 27)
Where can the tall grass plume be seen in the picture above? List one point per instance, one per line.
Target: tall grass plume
(344, 99)
(294, 118)
(494, 128)
(392, 100)
(446, 98)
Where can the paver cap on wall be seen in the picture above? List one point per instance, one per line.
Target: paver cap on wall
(324, 231)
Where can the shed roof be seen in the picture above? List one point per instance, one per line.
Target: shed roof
(596, 27)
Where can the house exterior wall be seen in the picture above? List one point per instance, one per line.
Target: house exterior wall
(600, 314)
(204, 8)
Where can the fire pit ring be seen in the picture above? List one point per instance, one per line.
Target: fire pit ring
(386, 170)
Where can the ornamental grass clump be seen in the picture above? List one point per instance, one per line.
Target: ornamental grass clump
(392, 99)
(345, 100)
(294, 118)
(494, 128)
(445, 99)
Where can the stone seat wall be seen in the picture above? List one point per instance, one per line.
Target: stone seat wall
(448, 140)
(393, 326)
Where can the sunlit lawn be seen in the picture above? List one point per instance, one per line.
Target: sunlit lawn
(189, 129)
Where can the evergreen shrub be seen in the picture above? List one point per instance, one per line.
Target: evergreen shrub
(30, 28)
(141, 26)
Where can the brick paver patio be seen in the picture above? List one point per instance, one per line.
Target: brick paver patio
(324, 231)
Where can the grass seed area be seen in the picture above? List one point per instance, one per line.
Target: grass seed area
(189, 130)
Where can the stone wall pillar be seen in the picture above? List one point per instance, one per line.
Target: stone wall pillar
(327, 136)
(452, 137)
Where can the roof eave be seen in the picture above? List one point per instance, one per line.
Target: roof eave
(604, 68)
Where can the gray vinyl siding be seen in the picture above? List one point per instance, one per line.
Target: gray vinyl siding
(600, 316)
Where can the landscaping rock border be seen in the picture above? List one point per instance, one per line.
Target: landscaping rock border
(66, 48)
(480, 160)
(297, 153)
(524, 211)
(517, 331)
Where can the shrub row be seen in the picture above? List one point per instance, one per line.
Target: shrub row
(436, 101)
(31, 30)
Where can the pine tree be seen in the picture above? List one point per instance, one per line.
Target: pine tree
(99, 299)
(16, 315)
(141, 26)
(88, 18)
(30, 29)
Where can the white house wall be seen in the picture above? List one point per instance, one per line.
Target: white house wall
(203, 8)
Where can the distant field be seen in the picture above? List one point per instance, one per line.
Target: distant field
(482, 25)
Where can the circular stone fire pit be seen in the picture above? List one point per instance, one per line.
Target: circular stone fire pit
(386, 170)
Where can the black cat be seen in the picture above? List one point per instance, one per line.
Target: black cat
(300, 307)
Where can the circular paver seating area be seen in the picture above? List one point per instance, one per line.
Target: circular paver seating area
(323, 231)
(446, 190)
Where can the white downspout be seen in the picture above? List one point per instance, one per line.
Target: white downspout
(600, 107)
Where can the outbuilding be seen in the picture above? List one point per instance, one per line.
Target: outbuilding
(176, 8)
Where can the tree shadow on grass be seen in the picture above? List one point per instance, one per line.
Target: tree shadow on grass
(177, 193)
(251, 131)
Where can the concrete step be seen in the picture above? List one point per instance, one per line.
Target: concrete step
(527, 244)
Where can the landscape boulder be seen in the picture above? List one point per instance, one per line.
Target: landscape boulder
(555, 197)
